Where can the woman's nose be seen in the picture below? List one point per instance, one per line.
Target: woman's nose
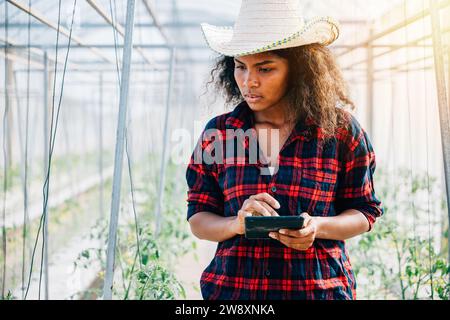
(251, 81)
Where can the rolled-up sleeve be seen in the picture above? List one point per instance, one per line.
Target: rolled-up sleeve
(204, 193)
(356, 187)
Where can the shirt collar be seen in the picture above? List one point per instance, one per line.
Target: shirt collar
(242, 117)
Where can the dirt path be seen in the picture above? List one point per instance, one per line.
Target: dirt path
(190, 269)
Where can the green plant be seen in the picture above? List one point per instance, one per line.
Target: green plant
(145, 261)
(10, 296)
(398, 259)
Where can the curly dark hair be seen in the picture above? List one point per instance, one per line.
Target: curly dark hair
(316, 87)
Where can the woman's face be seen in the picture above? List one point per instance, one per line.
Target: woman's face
(262, 79)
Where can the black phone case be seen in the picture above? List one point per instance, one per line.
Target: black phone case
(259, 227)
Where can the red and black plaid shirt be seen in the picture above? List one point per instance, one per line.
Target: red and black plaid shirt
(323, 180)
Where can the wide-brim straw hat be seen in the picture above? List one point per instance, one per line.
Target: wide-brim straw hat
(265, 25)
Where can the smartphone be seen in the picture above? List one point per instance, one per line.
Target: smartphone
(260, 227)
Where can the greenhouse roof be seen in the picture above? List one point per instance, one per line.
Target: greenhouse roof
(178, 20)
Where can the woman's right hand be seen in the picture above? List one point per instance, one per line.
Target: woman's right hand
(262, 204)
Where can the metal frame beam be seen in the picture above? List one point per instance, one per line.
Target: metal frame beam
(167, 25)
(145, 70)
(420, 15)
(62, 30)
(205, 47)
(404, 66)
(15, 57)
(37, 50)
(117, 26)
(156, 22)
(413, 43)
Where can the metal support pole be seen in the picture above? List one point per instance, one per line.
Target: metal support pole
(5, 177)
(22, 177)
(23, 173)
(118, 161)
(100, 144)
(19, 119)
(165, 142)
(370, 82)
(46, 159)
(444, 109)
(9, 142)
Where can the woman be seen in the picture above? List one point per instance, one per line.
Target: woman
(319, 165)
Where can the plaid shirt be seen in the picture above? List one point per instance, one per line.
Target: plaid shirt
(321, 180)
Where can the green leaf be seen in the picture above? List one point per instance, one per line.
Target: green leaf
(144, 259)
(85, 254)
(408, 271)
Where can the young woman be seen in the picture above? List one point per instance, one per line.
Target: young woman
(284, 80)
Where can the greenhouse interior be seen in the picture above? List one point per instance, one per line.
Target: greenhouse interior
(103, 102)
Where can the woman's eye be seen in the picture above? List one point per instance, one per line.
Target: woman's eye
(265, 70)
(239, 67)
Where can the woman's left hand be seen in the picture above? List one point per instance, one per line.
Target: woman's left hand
(301, 239)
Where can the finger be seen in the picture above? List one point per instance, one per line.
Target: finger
(307, 219)
(290, 233)
(282, 238)
(306, 232)
(258, 208)
(268, 199)
(277, 236)
(301, 233)
(242, 214)
(292, 242)
(269, 208)
(287, 241)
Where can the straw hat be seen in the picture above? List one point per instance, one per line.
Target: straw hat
(264, 25)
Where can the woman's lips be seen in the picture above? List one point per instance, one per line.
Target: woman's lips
(253, 98)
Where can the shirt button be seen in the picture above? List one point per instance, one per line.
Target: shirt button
(267, 273)
(273, 189)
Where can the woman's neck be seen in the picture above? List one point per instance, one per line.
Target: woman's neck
(274, 116)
